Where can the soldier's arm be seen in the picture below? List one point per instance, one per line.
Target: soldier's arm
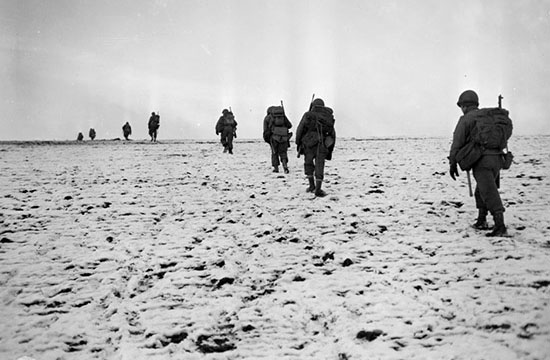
(459, 138)
(300, 129)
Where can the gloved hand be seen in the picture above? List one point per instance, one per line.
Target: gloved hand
(217, 133)
(453, 171)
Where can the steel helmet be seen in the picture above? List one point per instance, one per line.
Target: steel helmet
(225, 111)
(318, 102)
(468, 97)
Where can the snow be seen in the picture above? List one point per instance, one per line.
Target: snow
(135, 250)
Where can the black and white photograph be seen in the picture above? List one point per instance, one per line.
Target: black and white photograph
(274, 179)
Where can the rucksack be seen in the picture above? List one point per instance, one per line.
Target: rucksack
(325, 120)
(229, 120)
(492, 128)
(277, 114)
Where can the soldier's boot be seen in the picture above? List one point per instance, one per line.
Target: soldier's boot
(275, 169)
(481, 222)
(311, 187)
(318, 191)
(500, 228)
(285, 167)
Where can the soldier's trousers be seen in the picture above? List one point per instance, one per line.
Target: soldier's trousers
(487, 175)
(227, 138)
(314, 161)
(279, 150)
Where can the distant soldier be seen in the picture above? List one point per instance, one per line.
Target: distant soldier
(91, 134)
(227, 127)
(315, 139)
(486, 168)
(126, 130)
(80, 137)
(154, 124)
(276, 134)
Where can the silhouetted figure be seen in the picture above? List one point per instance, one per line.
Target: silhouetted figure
(479, 125)
(91, 134)
(80, 137)
(227, 127)
(154, 124)
(126, 130)
(315, 138)
(276, 126)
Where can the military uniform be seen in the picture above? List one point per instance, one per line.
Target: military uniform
(277, 136)
(227, 127)
(486, 170)
(316, 143)
(154, 124)
(126, 130)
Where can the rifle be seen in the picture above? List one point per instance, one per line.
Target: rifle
(500, 101)
(469, 183)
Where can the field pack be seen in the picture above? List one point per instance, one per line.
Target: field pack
(229, 120)
(277, 114)
(277, 123)
(325, 123)
(492, 130)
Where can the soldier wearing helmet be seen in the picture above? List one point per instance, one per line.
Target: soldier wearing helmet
(486, 170)
(153, 125)
(315, 139)
(226, 126)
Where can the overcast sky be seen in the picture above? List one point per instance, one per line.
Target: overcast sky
(387, 68)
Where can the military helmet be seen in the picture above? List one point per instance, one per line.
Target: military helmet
(318, 102)
(225, 111)
(468, 97)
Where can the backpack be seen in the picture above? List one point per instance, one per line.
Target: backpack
(325, 125)
(492, 128)
(277, 116)
(229, 120)
(323, 119)
(277, 124)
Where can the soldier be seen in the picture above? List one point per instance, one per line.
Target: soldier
(126, 130)
(276, 126)
(315, 139)
(486, 170)
(154, 124)
(80, 137)
(227, 127)
(91, 133)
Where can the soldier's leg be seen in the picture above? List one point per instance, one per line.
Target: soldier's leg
(274, 156)
(481, 222)
(230, 141)
(487, 179)
(223, 141)
(319, 174)
(309, 167)
(283, 154)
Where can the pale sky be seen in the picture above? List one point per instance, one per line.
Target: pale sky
(386, 67)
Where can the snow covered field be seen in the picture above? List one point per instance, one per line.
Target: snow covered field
(134, 250)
